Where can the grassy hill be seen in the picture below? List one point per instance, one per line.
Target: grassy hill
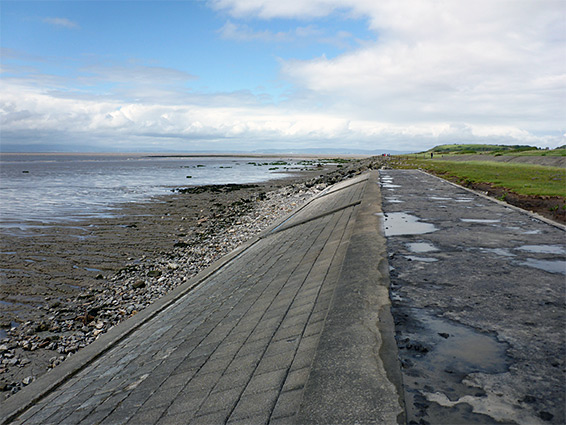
(488, 149)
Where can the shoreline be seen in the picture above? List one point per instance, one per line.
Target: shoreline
(80, 280)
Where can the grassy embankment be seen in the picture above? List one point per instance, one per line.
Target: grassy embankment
(489, 151)
(524, 179)
(534, 187)
(520, 178)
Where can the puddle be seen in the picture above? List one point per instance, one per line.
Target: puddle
(479, 220)
(543, 249)
(421, 247)
(502, 252)
(464, 200)
(532, 232)
(421, 259)
(439, 198)
(546, 265)
(394, 200)
(396, 224)
(389, 185)
(464, 349)
(436, 356)
(4, 331)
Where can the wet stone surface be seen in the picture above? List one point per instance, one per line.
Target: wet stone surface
(477, 292)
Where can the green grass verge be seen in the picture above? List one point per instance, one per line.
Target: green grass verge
(524, 179)
(552, 152)
(496, 150)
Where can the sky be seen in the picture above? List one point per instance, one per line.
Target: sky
(249, 75)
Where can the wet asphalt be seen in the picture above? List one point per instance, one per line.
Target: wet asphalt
(478, 298)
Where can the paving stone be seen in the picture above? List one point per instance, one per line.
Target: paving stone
(222, 400)
(236, 379)
(139, 396)
(281, 346)
(257, 419)
(114, 400)
(303, 359)
(218, 417)
(276, 362)
(162, 397)
(288, 332)
(95, 417)
(313, 329)
(118, 416)
(180, 418)
(265, 381)
(146, 417)
(258, 404)
(178, 377)
(43, 414)
(215, 365)
(288, 403)
(187, 403)
(296, 379)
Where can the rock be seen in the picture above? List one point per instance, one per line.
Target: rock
(27, 380)
(546, 416)
(42, 327)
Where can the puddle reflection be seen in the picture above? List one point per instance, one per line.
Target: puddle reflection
(399, 223)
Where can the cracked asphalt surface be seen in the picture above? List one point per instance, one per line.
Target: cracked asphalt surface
(478, 299)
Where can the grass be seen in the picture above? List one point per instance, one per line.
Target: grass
(553, 152)
(524, 179)
(495, 150)
(472, 148)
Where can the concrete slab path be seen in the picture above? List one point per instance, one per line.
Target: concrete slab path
(241, 343)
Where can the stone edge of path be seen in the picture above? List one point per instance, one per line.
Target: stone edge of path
(355, 376)
(505, 204)
(25, 398)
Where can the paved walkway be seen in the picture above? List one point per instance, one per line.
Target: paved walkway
(479, 291)
(238, 344)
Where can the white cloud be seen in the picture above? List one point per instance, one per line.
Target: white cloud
(61, 22)
(25, 110)
(437, 72)
(495, 64)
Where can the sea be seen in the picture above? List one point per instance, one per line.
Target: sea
(38, 189)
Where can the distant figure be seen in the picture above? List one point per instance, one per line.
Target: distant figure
(431, 155)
